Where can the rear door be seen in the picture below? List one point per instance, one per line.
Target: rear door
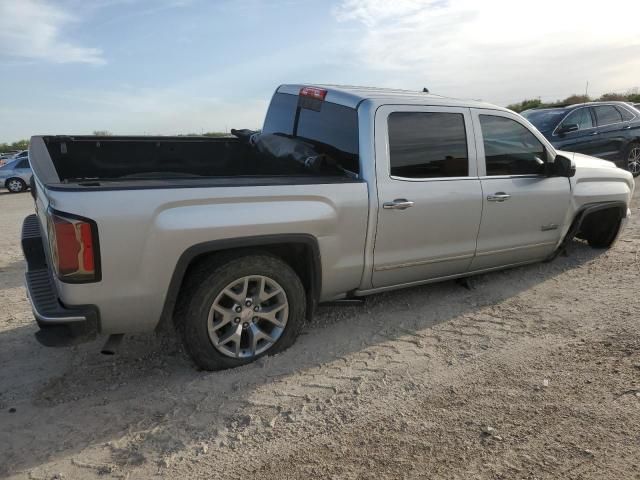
(523, 209)
(611, 132)
(430, 200)
(23, 169)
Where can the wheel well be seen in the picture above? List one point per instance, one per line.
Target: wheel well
(300, 252)
(598, 220)
(6, 182)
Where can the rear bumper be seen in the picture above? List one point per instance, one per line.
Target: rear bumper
(59, 325)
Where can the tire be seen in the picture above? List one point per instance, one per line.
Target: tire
(15, 185)
(601, 233)
(632, 159)
(219, 283)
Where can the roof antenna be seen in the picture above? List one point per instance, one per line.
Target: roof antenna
(425, 90)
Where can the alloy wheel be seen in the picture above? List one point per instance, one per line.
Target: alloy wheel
(634, 160)
(248, 316)
(14, 185)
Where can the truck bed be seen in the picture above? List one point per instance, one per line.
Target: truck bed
(92, 161)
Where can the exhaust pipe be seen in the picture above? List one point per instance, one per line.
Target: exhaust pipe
(112, 344)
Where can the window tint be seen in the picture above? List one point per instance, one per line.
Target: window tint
(428, 145)
(607, 114)
(509, 148)
(580, 117)
(626, 114)
(545, 119)
(332, 128)
(23, 164)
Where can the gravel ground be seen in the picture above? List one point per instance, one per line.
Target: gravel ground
(534, 373)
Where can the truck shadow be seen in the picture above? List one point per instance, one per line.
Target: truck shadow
(12, 275)
(66, 400)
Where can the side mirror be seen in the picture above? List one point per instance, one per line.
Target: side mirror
(571, 127)
(563, 167)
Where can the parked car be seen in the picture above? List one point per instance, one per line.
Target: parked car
(6, 157)
(16, 175)
(346, 192)
(608, 130)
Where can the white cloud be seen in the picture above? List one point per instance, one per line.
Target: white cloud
(34, 29)
(498, 50)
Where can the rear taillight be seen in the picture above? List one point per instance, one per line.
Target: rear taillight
(73, 243)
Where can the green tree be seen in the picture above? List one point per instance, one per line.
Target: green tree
(19, 145)
(611, 97)
(525, 105)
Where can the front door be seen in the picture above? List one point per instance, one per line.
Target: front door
(523, 209)
(585, 139)
(430, 200)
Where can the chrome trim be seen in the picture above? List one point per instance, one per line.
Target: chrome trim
(526, 175)
(498, 197)
(398, 204)
(549, 226)
(512, 249)
(430, 179)
(422, 262)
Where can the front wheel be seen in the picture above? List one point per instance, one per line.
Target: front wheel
(235, 310)
(633, 159)
(15, 185)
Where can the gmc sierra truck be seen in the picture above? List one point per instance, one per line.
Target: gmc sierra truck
(345, 192)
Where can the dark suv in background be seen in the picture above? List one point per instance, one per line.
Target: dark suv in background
(609, 130)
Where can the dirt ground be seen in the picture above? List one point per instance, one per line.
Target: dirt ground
(534, 373)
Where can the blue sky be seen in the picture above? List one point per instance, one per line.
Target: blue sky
(177, 66)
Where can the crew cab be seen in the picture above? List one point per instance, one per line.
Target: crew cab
(346, 192)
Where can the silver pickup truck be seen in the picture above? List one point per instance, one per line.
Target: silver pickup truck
(344, 193)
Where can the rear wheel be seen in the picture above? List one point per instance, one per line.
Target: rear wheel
(633, 159)
(15, 185)
(235, 310)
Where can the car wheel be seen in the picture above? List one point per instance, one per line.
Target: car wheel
(235, 310)
(601, 228)
(633, 159)
(15, 185)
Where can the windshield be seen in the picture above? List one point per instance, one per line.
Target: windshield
(9, 165)
(544, 120)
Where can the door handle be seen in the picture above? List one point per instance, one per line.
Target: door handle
(627, 127)
(498, 197)
(595, 133)
(398, 204)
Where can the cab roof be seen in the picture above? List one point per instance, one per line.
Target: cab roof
(352, 96)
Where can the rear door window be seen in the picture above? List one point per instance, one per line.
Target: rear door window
(607, 115)
(626, 114)
(428, 145)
